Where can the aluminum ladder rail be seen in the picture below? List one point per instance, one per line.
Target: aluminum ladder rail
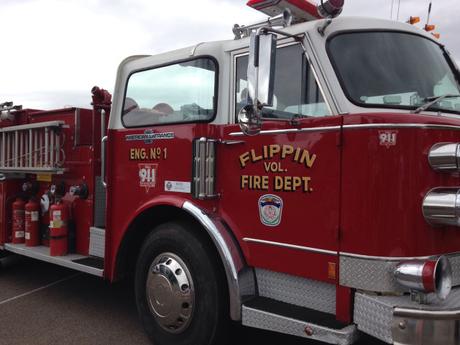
(32, 148)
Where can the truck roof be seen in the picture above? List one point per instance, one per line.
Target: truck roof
(338, 25)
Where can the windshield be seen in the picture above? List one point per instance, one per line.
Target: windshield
(394, 70)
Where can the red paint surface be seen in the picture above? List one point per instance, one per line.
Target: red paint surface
(309, 219)
(344, 304)
(383, 188)
(126, 197)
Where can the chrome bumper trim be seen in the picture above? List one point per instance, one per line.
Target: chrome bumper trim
(427, 314)
(426, 327)
(401, 321)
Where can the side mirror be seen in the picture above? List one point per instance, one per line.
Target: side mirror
(261, 77)
(250, 122)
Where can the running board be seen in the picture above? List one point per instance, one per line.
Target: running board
(270, 315)
(77, 262)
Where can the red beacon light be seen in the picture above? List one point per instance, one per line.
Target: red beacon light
(330, 8)
(301, 10)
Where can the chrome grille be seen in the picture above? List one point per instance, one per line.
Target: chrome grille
(204, 167)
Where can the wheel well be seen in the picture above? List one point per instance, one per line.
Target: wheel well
(143, 225)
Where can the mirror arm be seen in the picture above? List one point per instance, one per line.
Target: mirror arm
(267, 29)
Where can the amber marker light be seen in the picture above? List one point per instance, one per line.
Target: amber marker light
(331, 270)
(430, 27)
(413, 20)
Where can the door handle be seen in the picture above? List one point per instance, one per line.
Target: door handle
(103, 144)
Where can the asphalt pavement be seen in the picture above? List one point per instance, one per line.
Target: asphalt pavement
(43, 304)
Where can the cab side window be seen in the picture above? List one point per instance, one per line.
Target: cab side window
(296, 92)
(178, 93)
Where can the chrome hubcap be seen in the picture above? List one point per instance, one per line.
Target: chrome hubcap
(170, 293)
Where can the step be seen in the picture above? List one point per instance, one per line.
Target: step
(97, 241)
(82, 263)
(271, 315)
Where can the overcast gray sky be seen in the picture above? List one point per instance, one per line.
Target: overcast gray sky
(54, 51)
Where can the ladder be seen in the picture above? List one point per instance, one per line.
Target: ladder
(32, 148)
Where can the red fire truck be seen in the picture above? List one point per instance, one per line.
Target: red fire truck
(301, 178)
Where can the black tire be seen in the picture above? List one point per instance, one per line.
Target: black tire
(208, 323)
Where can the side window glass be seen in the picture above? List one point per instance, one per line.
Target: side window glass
(296, 92)
(183, 92)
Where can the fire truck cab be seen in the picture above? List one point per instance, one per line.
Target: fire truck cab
(300, 178)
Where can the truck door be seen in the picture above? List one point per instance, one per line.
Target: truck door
(165, 106)
(280, 188)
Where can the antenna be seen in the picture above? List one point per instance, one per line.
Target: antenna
(429, 27)
(429, 13)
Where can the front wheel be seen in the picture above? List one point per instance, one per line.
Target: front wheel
(180, 290)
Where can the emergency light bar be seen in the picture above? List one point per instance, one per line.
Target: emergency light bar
(302, 10)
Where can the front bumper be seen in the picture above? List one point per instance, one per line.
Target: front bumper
(415, 326)
(398, 320)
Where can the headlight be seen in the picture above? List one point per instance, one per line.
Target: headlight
(441, 206)
(445, 157)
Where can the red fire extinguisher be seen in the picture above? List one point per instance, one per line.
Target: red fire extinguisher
(59, 217)
(18, 221)
(32, 226)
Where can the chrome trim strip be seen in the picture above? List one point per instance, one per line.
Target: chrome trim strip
(359, 126)
(386, 258)
(291, 130)
(395, 258)
(33, 126)
(229, 253)
(402, 125)
(352, 255)
(290, 246)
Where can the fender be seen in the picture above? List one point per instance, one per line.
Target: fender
(240, 278)
(114, 248)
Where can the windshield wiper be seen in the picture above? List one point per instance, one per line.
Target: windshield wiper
(433, 100)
